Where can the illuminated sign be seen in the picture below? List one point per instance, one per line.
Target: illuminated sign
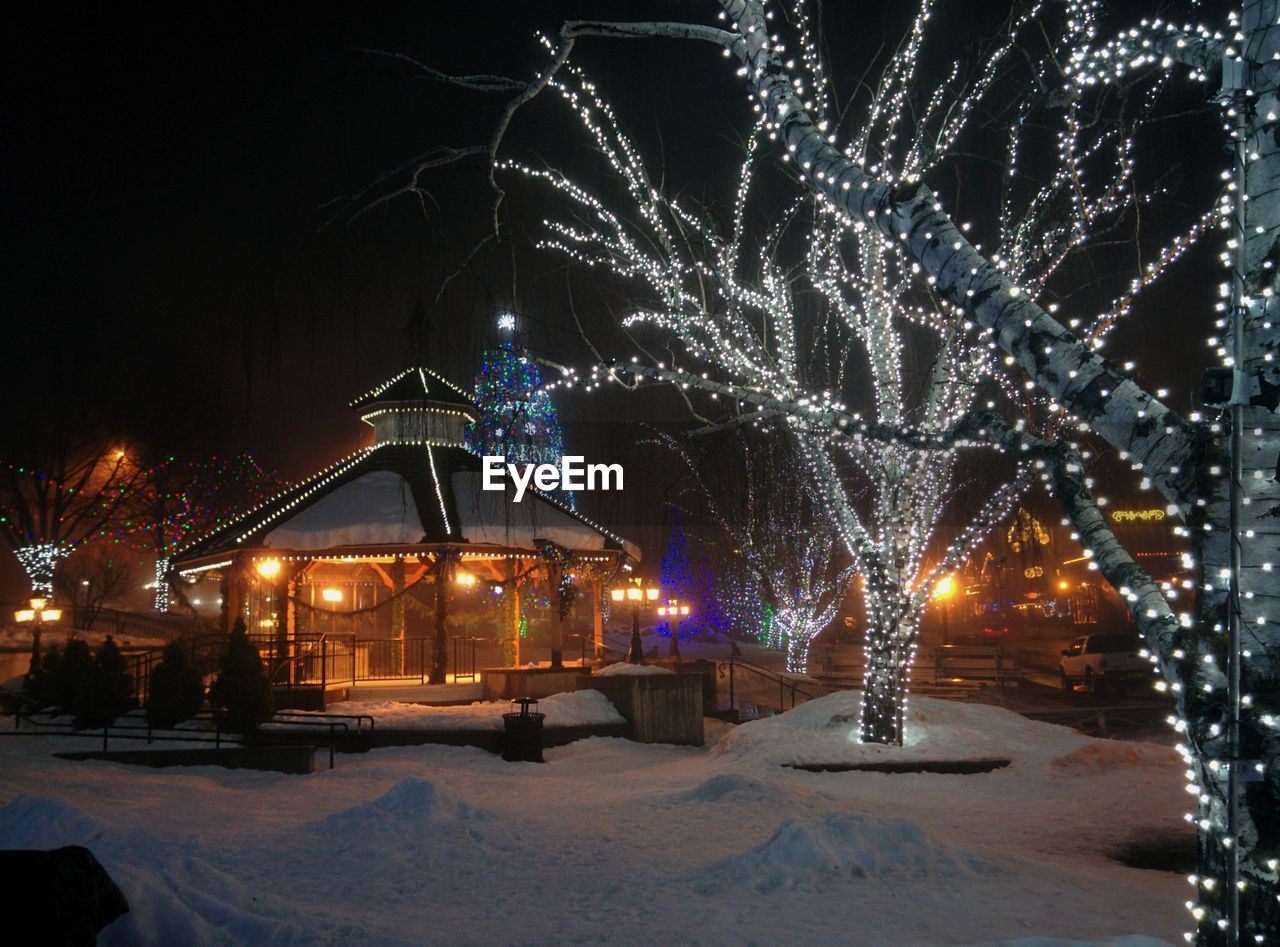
(1137, 516)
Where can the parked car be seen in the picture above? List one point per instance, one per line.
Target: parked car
(1104, 659)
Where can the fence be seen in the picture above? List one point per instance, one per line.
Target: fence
(947, 667)
(311, 659)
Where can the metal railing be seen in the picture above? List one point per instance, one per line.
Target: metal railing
(324, 659)
(212, 733)
(730, 668)
(587, 644)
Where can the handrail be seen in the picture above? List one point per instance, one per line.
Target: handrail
(766, 673)
(784, 685)
(585, 639)
(184, 734)
(324, 715)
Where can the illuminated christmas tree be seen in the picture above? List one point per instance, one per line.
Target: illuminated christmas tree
(517, 419)
(676, 576)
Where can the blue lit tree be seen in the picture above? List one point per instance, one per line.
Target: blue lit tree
(676, 577)
(517, 418)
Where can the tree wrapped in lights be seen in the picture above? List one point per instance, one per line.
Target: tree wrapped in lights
(72, 487)
(517, 420)
(725, 296)
(786, 576)
(675, 575)
(1217, 473)
(179, 500)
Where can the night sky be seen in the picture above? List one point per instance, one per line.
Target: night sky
(183, 252)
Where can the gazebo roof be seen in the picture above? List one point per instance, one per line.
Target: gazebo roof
(419, 489)
(414, 385)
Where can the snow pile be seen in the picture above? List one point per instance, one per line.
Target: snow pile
(840, 846)
(736, 787)
(37, 822)
(183, 899)
(414, 811)
(572, 709)
(1105, 756)
(626, 669)
(825, 731)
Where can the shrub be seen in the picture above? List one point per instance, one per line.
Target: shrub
(176, 690)
(68, 685)
(106, 690)
(241, 696)
(44, 686)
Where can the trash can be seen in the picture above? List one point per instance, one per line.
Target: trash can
(522, 740)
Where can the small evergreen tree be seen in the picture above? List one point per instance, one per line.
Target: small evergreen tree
(68, 684)
(105, 691)
(176, 690)
(241, 696)
(43, 686)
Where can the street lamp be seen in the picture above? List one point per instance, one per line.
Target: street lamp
(637, 593)
(38, 612)
(942, 593)
(679, 611)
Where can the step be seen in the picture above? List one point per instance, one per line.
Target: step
(413, 692)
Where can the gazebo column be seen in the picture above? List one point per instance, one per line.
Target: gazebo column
(597, 618)
(555, 575)
(511, 605)
(446, 568)
(397, 614)
(232, 590)
(282, 592)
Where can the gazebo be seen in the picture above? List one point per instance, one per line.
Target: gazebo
(329, 574)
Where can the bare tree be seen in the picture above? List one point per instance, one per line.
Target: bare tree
(61, 487)
(786, 554)
(1219, 474)
(93, 576)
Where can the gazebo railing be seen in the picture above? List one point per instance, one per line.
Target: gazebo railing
(327, 660)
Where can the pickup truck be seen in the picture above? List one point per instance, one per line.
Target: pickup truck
(1104, 659)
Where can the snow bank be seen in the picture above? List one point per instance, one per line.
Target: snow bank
(840, 846)
(626, 669)
(1133, 940)
(414, 811)
(37, 822)
(1105, 756)
(826, 731)
(573, 709)
(736, 787)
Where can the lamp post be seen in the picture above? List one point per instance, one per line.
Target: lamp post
(679, 611)
(38, 612)
(638, 594)
(942, 593)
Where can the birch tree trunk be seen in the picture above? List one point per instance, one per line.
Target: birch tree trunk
(1192, 465)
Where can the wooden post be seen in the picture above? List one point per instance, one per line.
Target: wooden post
(446, 568)
(555, 575)
(597, 619)
(397, 614)
(232, 593)
(511, 637)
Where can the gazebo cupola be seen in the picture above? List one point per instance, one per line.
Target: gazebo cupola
(417, 407)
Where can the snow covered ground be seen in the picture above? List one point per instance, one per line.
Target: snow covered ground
(573, 709)
(616, 842)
